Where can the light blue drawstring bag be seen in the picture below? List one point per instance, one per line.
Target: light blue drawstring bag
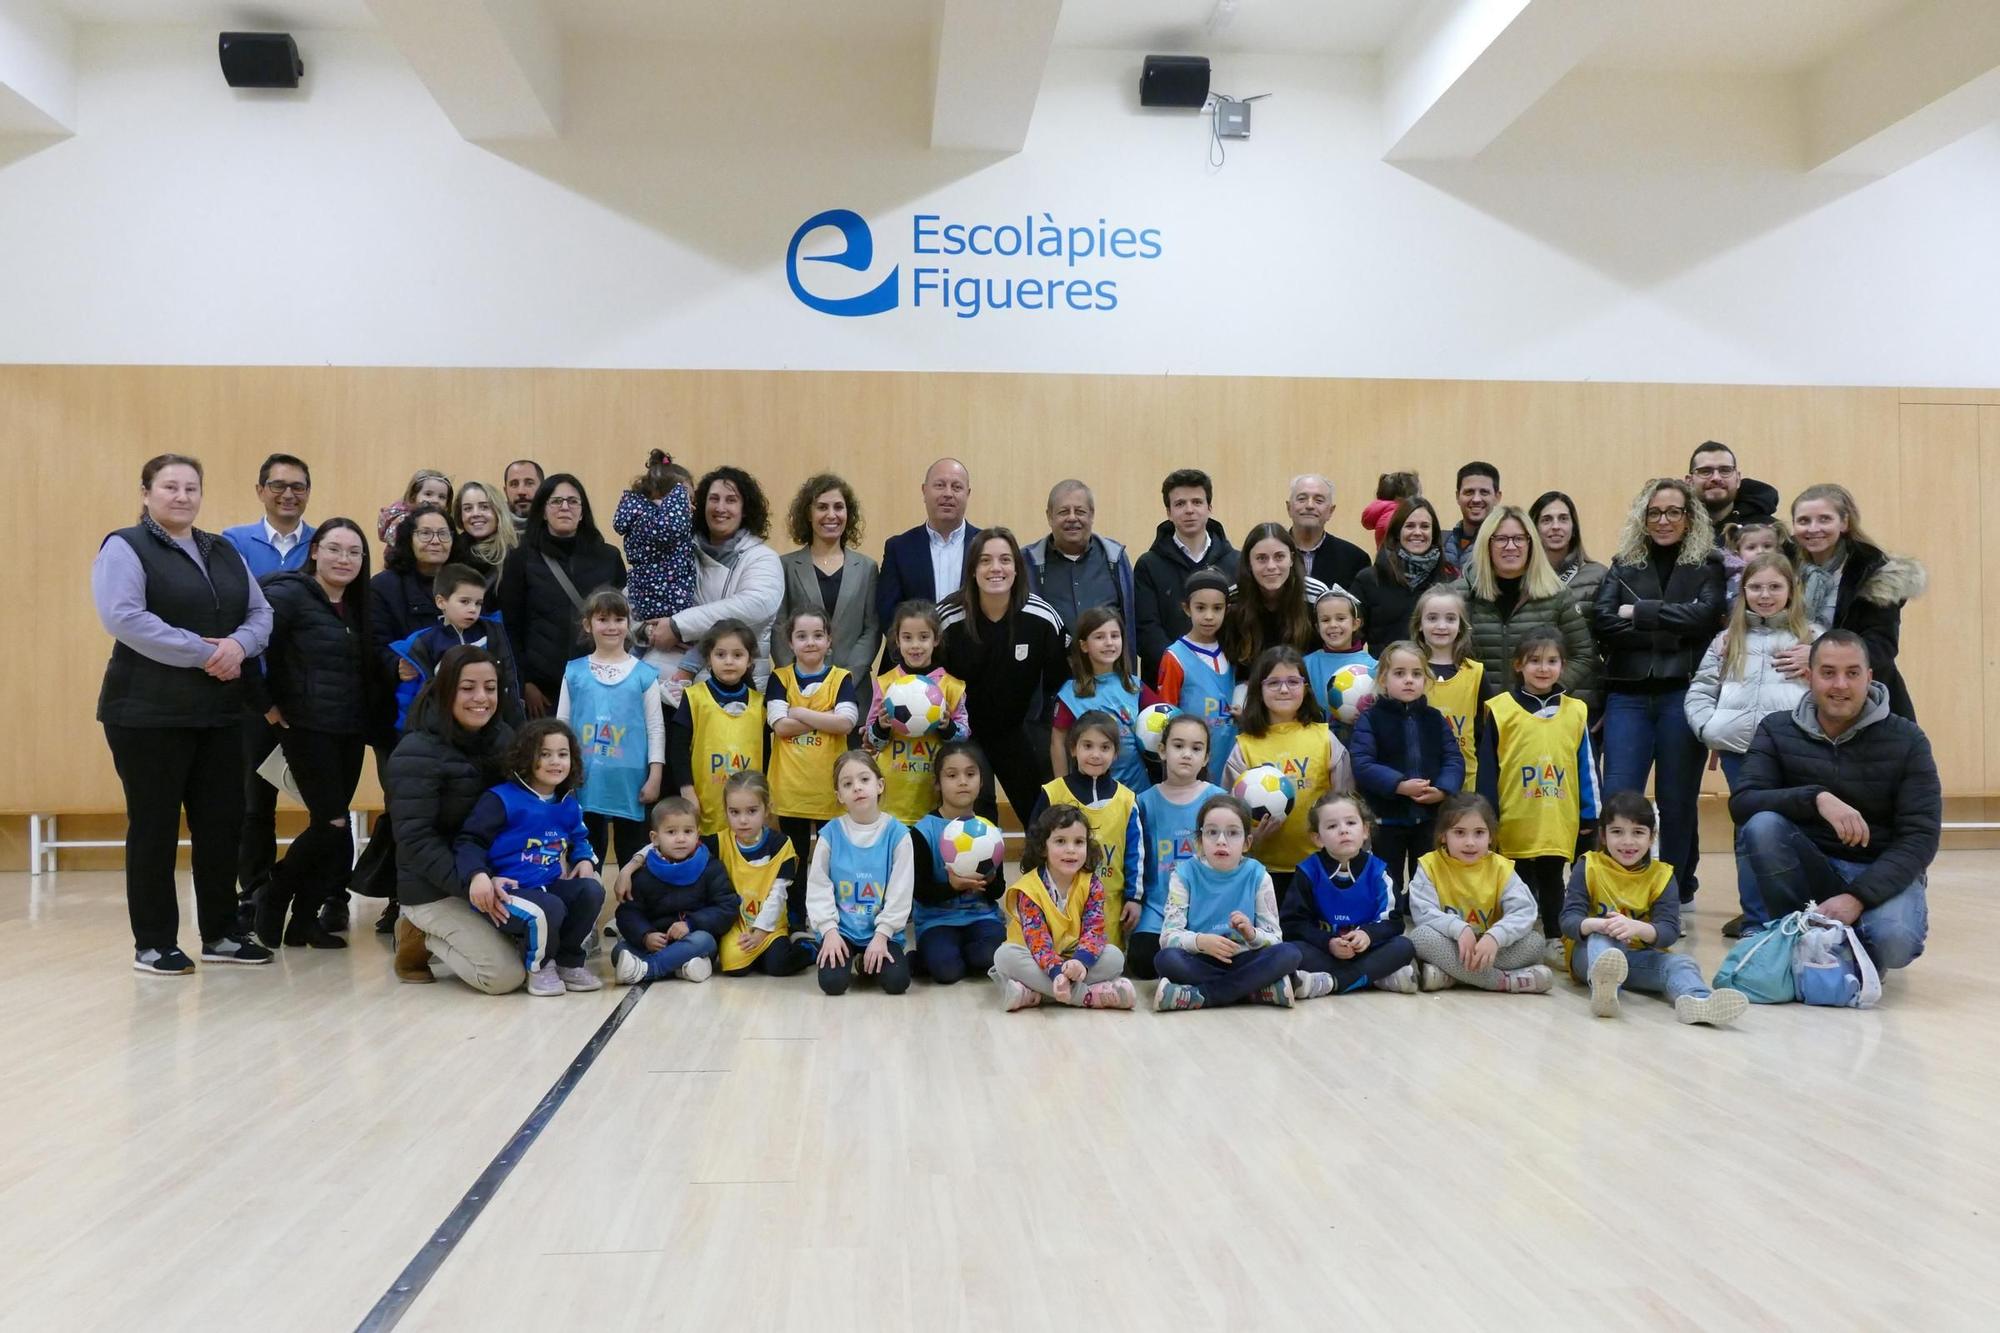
(1760, 965)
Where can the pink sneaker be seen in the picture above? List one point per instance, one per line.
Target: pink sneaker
(1016, 996)
(1110, 995)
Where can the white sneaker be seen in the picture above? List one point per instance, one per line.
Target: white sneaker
(1403, 981)
(1552, 955)
(1717, 1008)
(579, 978)
(695, 969)
(1607, 974)
(1015, 996)
(1431, 977)
(627, 966)
(543, 981)
(1536, 980)
(1311, 985)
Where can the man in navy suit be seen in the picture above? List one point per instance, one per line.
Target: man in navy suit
(928, 561)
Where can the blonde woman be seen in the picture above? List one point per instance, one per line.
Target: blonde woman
(1512, 588)
(480, 512)
(1852, 583)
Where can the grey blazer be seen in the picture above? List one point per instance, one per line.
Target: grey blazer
(854, 626)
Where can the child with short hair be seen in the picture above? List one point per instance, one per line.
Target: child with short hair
(1195, 674)
(613, 699)
(1537, 770)
(1282, 725)
(1222, 942)
(1458, 684)
(813, 710)
(1406, 760)
(1341, 913)
(1056, 944)
(655, 516)
(460, 594)
(908, 762)
(956, 919)
(1111, 807)
(1472, 920)
(1101, 680)
(1170, 822)
(763, 868)
(858, 888)
(526, 861)
(1391, 489)
(676, 902)
(1755, 667)
(718, 728)
(1340, 618)
(1622, 915)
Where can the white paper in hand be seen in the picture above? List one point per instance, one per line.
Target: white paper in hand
(278, 773)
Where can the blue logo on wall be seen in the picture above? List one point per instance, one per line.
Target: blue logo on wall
(858, 255)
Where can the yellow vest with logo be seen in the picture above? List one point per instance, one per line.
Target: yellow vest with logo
(1299, 750)
(753, 882)
(802, 765)
(1541, 797)
(1470, 892)
(1065, 923)
(1458, 700)
(1630, 893)
(909, 763)
(1108, 819)
(723, 746)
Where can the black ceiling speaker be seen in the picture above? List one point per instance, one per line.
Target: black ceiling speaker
(260, 60)
(1174, 81)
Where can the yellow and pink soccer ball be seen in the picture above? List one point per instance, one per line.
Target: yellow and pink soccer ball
(1267, 791)
(913, 706)
(972, 847)
(1353, 690)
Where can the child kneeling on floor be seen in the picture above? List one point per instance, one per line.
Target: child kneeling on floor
(1622, 915)
(1056, 943)
(1473, 921)
(527, 862)
(675, 902)
(860, 884)
(1340, 911)
(1221, 942)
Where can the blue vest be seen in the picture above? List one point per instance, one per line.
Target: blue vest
(860, 877)
(1112, 697)
(1206, 693)
(610, 726)
(536, 844)
(1213, 895)
(1321, 667)
(1171, 836)
(1342, 905)
(966, 909)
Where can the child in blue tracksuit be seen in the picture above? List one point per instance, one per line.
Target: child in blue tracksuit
(460, 594)
(1341, 910)
(678, 904)
(527, 863)
(1406, 761)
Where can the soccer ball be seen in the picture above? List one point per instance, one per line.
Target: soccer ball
(1151, 728)
(1353, 690)
(972, 847)
(1267, 791)
(913, 706)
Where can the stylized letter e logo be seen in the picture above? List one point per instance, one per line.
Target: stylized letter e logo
(858, 255)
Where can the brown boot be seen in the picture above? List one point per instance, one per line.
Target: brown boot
(413, 954)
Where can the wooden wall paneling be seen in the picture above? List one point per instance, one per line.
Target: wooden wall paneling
(1989, 620)
(1940, 523)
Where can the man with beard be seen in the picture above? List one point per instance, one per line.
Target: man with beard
(1728, 495)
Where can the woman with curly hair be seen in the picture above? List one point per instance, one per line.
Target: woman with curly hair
(737, 573)
(828, 575)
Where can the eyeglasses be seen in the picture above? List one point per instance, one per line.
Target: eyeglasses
(1670, 515)
(1510, 541)
(288, 487)
(1721, 470)
(430, 536)
(564, 502)
(1284, 683)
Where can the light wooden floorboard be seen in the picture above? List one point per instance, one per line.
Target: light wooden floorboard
(260, 1148)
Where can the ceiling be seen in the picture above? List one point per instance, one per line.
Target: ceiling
(1315, 27)
(1739, 36)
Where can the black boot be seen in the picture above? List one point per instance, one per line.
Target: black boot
(271, 905)
(333, 912)
(305, 931)
(386, 923)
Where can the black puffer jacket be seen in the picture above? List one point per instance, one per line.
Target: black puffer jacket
(400, 603)
(1662, 644)
(432, 785)
(316, 670)
(542, 623)
(1873, 587)
(1386, 604)
(1159, 586)
(1882, 766)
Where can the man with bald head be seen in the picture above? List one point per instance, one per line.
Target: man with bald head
(1075, 569)
(928, 562)
(1309, 504)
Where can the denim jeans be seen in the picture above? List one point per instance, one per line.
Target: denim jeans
(950, 954)
(665, 962)
(1655, 971)
(1228, 983)
(1792, 871)
(1642, 731)
(1746, 877)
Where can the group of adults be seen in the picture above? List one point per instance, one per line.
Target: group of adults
(276, 635)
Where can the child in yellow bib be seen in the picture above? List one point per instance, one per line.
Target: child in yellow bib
(1622, 915)
(812, 709)
(1536, 769)
(1283, 725)
(1056, 944)
(1440, 622)
(1472, 919)
(1113, 812)
(764, 868)
(718, 728)
(909, 763)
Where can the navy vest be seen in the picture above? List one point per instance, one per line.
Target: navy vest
(140, 692)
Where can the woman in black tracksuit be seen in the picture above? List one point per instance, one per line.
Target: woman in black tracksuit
(1008, 646)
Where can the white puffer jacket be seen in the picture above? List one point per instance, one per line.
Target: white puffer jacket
(1725, 713)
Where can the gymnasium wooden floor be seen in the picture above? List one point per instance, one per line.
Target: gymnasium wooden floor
(269, 1148)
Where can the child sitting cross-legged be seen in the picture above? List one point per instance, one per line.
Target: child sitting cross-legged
(1472, 920)
(1340, 912)
(675, 902)
(1221, 942)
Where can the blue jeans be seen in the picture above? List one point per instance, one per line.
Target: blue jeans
(1792, 871)
(1746, 877)
(553, 922)
(665, 962)
(1655, 971)
(1642, 731)
(952, 953)
(1232, 982)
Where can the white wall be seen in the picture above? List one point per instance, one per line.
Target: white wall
(1628, 227)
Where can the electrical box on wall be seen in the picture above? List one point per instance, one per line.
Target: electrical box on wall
(1232, 120)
